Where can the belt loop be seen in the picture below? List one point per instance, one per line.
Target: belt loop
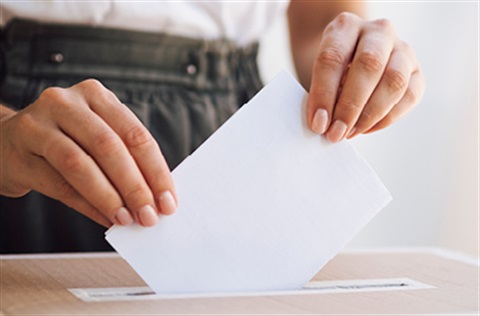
(222, 64)
(19, 29)
(201, 79)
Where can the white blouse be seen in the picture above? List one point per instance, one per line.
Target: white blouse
(243, 22)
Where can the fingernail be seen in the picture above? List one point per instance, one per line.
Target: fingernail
(147, 216)
(123, 217)
(337, 131)
(352, 132)
(320, 120)
(167, 203)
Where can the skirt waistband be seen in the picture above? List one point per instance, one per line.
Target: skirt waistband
(36, 49)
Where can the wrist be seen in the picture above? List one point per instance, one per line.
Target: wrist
(8, 184)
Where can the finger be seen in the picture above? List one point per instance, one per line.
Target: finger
(335, 53)
(389, 91)
(43, 178)
(370, 59)
(412, 96)
(141, 145)
(77, 168)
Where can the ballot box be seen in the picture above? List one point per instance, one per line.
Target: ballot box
(408, 281)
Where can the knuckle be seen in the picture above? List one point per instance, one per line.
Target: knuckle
(102, 94)
(345, 19)
(137, 195)
(348, 105)
(410, 96)
(370, 61)
(367, 117)
(52, 92)
(58, 102)
(396, 80)
(107, 211)
(71, 161)
(108, 98)
(107, 144)
(331, 57)
(325, 94)
(91, 84)
(386, 121)
(64, 190)
(53, 95)
(138, 136)
(408, 49)
(24, 122)
(384, 24)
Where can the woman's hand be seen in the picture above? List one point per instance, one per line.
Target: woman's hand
(82, 146)
(363, 79)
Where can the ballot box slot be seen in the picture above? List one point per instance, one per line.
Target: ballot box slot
(312, 287)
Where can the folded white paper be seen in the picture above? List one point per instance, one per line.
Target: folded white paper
(264, 204)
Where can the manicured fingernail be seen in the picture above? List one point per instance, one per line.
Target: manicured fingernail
(352, 132)
(147, 216)
(320, 120)
(337, 131)
(123, 217)
(167, 203)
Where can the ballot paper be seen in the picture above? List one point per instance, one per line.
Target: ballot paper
(264, 204)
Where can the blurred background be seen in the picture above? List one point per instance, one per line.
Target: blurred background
(430, 159)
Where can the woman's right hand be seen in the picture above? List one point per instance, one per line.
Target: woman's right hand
(83, 147)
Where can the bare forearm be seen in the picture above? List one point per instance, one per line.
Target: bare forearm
(307, 20)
